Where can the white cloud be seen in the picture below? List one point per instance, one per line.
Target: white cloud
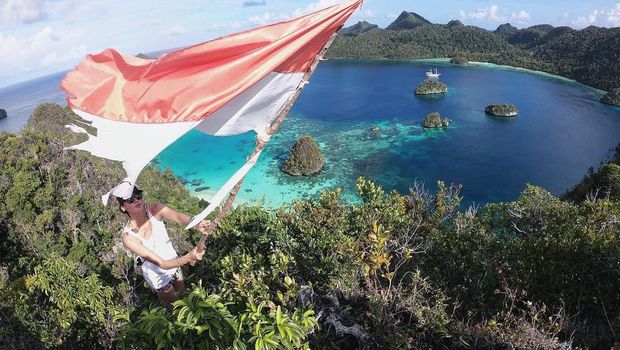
(26, 11)
(45, 48)
(225, 25)
(268, 18)
(613, 16)
(391, 16)
(521, 16)
(490, 13)
(584, 21)
(177, 29)
(369, 14)
(315, 6)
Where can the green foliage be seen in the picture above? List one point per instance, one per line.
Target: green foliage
(434, 120)
(605, 182)
(305, 158)
(395, 270)
(60, 305)
(318, 239)
(206, 321)
(460, 60)
(612, 97)
(428, 87)
(502, 110)
(589, 56)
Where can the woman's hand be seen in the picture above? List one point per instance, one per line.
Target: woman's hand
(196, 254)
(203, 227)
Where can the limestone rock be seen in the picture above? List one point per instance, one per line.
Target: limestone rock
(434, 120)
(460, 60)
(429, 87)
(304, 159)
(502, 110)
(2, 113)
(612, 97)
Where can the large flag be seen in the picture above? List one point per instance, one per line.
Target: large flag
(226, 86)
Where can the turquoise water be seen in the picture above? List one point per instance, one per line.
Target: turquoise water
(561, 131)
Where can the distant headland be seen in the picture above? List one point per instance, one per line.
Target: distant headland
(555, 50)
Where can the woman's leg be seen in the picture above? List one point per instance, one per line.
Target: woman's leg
(168, 296)
(179, 283)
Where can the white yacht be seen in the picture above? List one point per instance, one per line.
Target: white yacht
(433, 74)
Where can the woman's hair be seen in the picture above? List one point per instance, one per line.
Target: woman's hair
(121, 200)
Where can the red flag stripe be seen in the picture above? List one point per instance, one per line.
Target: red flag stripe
(192, 83)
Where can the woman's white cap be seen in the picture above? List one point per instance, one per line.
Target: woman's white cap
(123, 190)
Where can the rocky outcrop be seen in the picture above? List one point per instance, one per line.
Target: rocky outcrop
(144, 56)
(304, 159)
(434, 120)
(407, 20)
(2, 113)
(359, 28)
(455, 23)
(503, 110)
(429, 87)
(459, 60)
(506, 30)
(612, 97)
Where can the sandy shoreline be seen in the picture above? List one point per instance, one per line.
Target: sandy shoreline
(505, 67)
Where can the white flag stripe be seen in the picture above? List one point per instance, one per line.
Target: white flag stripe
(254, 109)
(224, 191)
(136, 144)
(131, 143)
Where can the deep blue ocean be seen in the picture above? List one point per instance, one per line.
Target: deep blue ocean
(560, 132)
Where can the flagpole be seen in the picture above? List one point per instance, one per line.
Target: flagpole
(260, 143)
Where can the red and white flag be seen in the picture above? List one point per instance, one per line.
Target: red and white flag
(226, 86)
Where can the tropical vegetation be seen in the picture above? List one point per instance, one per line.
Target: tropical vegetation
(590, 56)
(612, 97)
(430, 87)
(502, 110)
(305, 158)
(434, 120)
(392, 271)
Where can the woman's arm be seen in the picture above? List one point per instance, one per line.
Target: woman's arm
(161, 211)
(134, 245)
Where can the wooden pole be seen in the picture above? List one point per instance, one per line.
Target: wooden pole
(260, 144)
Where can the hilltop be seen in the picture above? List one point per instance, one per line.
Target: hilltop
(590, 55)
(408, 20)
(414, 270)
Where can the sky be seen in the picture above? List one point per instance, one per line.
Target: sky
(41, 37)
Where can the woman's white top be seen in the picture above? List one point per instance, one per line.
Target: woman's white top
(160, 244)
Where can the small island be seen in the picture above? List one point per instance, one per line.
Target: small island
(503, 110)
(460, 60)
(429, 87)
(305, 158)
(612, 97)
(2, 113)
(434, 120)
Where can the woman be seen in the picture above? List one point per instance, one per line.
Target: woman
(145, 235)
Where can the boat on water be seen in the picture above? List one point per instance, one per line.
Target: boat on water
(433, 73)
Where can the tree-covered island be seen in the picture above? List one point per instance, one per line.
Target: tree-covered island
(589, 55)
(612, 97)
(305, 158)
(502, 110)
(431, 87)
(460, 60)
(434, 120)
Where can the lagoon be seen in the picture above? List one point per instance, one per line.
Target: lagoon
(560, 132)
